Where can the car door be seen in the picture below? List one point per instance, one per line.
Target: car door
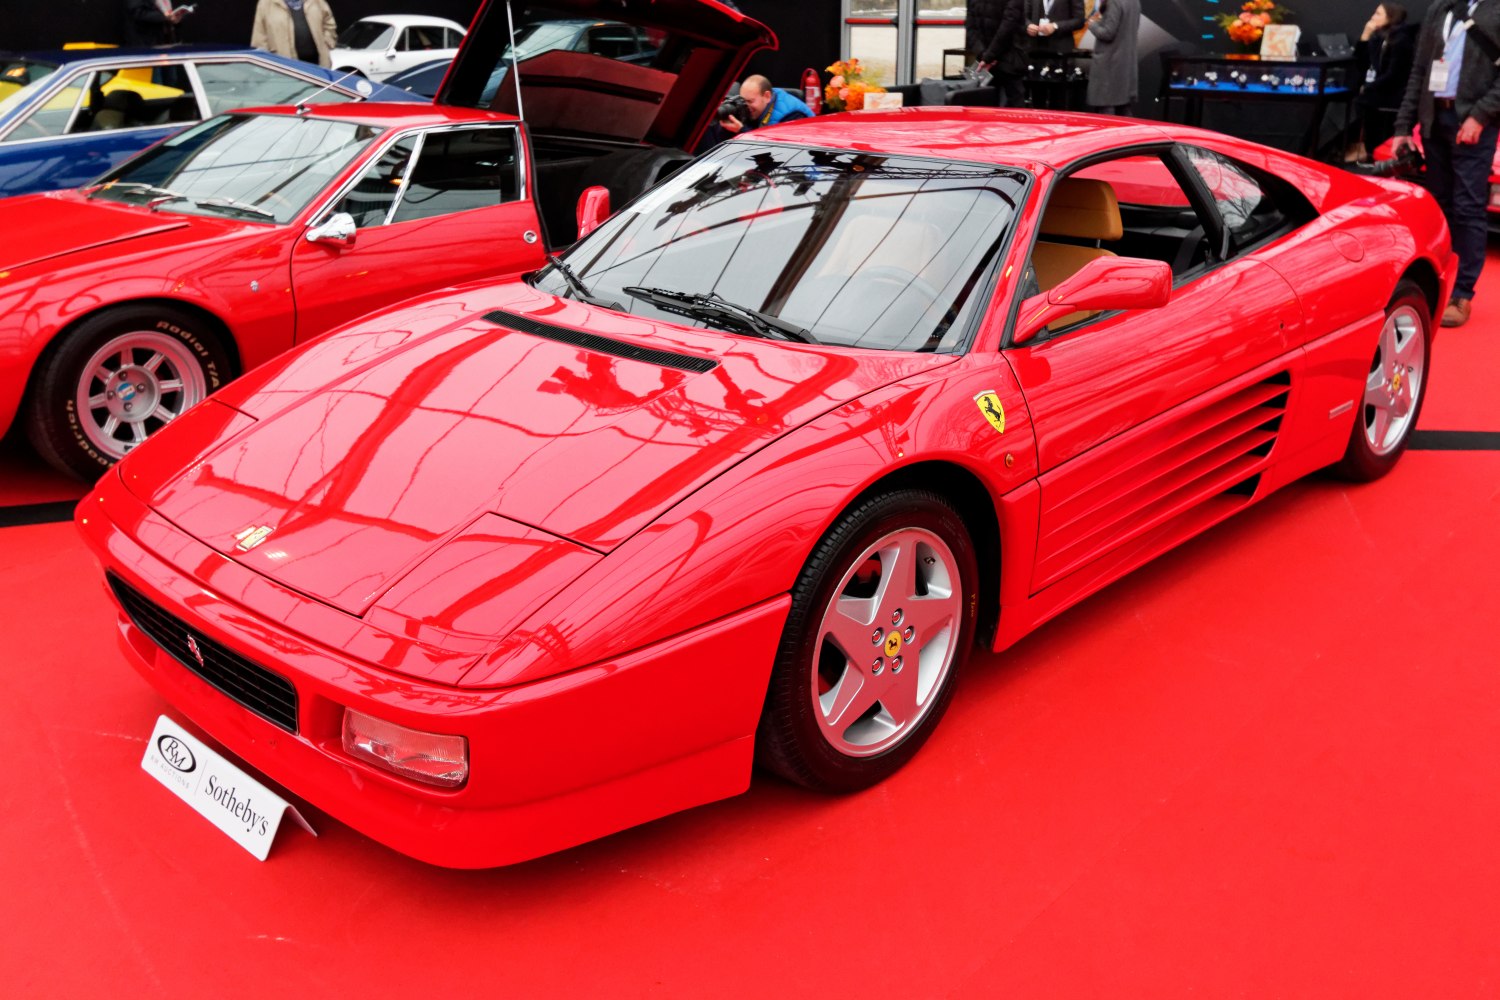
(435, 208)
(1154, 422)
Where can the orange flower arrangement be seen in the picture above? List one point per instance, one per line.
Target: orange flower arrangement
(1249, 24)
(847, 90)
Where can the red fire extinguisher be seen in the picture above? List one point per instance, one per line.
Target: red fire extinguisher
(812, 90)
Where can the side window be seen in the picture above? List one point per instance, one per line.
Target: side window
(136, 97)
(452, 39)
(421, 39)
(230, 85)
(1250, 212)
(370, 200)
(53, 116)
(1132, 206)
(461, 170)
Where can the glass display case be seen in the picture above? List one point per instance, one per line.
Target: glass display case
(1188, 81)
(1217, 74)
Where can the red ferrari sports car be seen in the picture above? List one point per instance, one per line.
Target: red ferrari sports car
(516, 565)
(127, 301)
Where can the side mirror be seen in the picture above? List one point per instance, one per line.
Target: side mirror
(1101, 285)
(593, 209)
(337, 230)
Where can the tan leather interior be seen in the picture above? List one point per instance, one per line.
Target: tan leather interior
(1083, 209)
(1079, 209)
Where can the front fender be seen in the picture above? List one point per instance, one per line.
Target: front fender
(245, 286)
(744, 537)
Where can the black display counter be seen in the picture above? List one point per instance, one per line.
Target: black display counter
(1058, 81)
(1313, 82)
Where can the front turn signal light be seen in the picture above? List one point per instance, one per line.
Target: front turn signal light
(431, 758)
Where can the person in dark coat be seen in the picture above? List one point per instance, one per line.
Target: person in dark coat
(1050, 24)
(981, 21)
(147, 22)
(1385, 52)
(1002, 55)
(1114, 77)
(1454, 94)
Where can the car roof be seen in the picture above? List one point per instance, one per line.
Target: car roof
(70, 57)
(389, 113)
(410, 20)
(984, 135)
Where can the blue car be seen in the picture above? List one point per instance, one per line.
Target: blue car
(68, 116)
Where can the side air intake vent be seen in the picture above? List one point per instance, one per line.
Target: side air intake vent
(1188, 469)
(602, 345)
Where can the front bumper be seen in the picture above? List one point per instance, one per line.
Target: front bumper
(553, 763)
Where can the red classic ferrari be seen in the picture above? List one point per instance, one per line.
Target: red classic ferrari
(126, 302)
(747, 475)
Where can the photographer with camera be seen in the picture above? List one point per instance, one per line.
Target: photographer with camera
(760, 104)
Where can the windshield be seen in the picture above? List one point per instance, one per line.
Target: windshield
(855, 249)
(265, 167)
(20, 77)
(366, 35)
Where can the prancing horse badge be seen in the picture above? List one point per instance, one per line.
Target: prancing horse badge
(989, 405)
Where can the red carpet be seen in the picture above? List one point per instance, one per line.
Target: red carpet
(1263, 766)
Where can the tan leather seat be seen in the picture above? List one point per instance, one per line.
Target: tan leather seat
(1079, 209)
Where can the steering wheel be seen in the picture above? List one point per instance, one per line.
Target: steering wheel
(898, 275)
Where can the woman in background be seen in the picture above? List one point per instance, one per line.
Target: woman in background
(1386, 49)
(1114, 75)
(297, 29)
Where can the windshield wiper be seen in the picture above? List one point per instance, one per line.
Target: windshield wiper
(712, 305)
(151, 189)
(238, 206)
(576, 285)
(165, 197)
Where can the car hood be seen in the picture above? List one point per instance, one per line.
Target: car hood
(579, 94)
(581, 423)
(45, 227)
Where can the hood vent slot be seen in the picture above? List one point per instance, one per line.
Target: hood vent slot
(602, 345)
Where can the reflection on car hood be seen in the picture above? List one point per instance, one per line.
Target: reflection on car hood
(354, 483)
(44, 227)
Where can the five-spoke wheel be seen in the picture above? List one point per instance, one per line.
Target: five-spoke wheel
(1394, 390)
(882, 617)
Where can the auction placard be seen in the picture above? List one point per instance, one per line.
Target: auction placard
(231, 799)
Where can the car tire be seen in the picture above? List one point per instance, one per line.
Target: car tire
(82, 416)
(1391, 402)
(868, 655)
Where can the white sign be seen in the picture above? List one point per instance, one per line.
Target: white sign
(232, 800)
(882, 102)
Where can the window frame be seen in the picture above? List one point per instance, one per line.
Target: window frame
(60, 80)
(1199, 199)
(1272, 187)
(523, 174)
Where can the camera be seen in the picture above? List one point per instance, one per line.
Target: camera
(1407, 165)
(736, 107)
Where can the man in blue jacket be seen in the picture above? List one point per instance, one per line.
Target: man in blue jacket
(768, 106)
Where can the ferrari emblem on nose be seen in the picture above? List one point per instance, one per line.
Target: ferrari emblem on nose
(989, 405)
(192, 645)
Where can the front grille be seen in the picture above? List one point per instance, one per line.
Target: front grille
(268, 695)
